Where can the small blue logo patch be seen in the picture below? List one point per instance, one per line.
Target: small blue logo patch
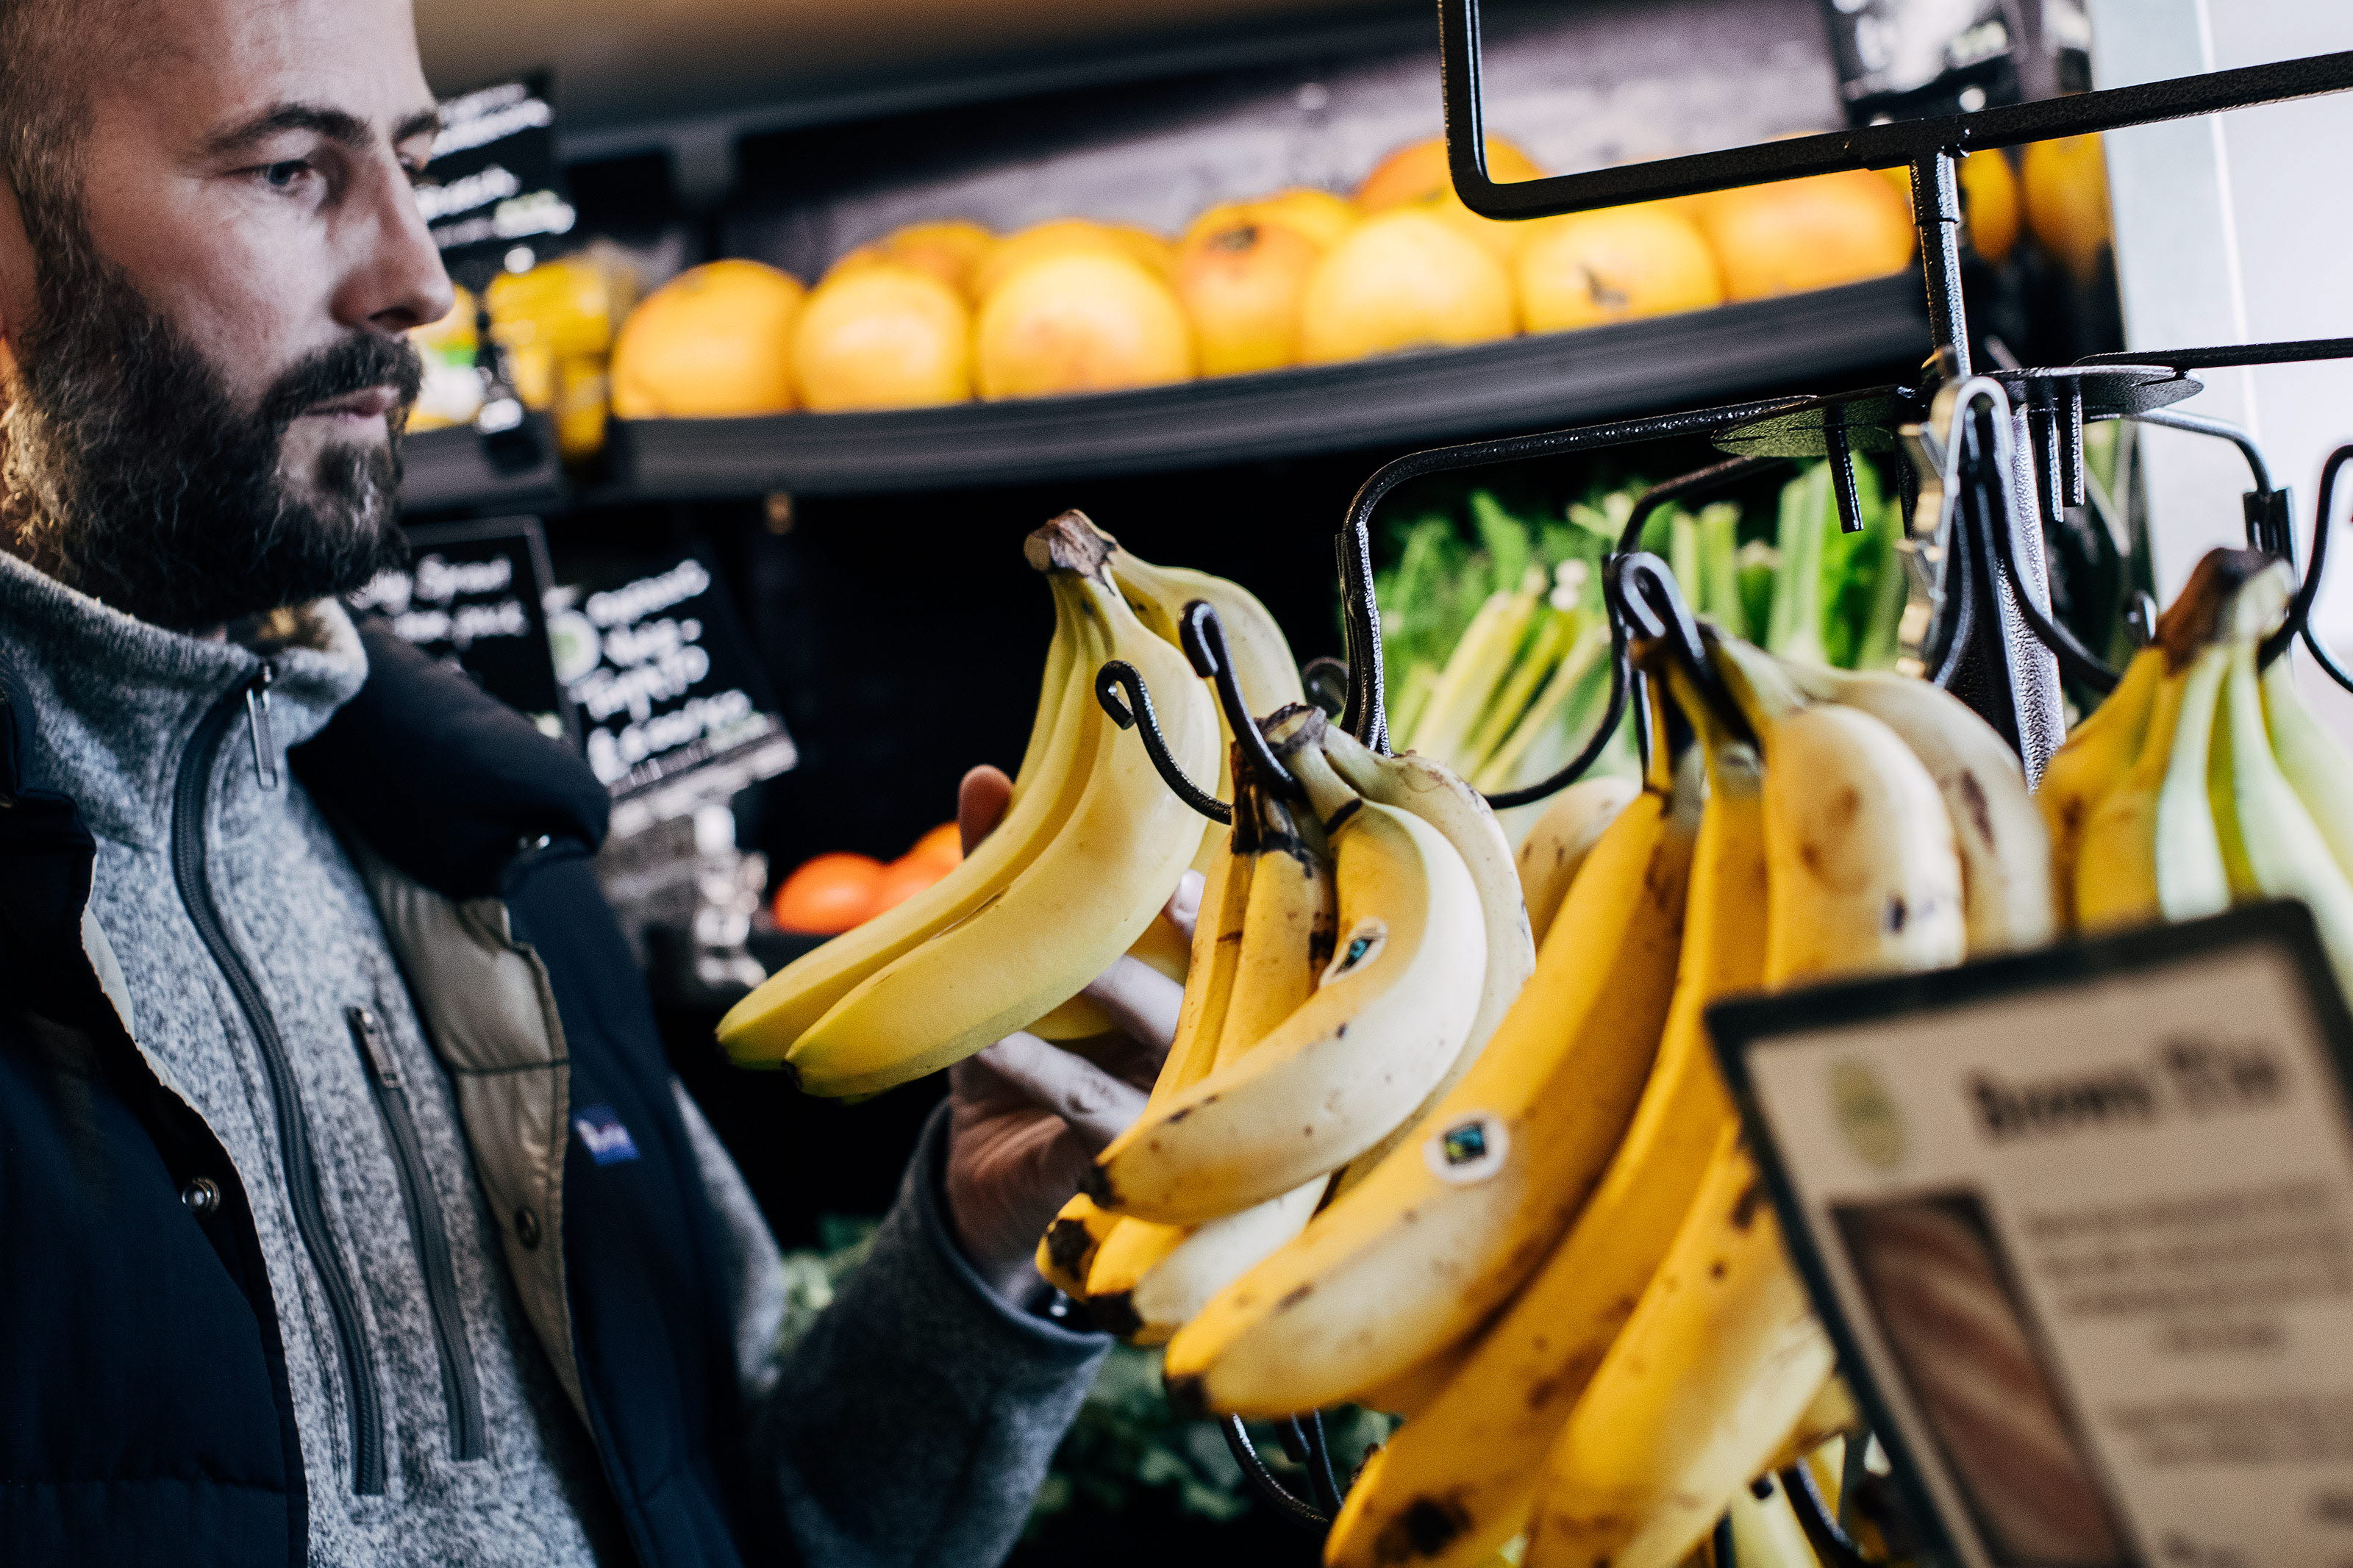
(601, 1133)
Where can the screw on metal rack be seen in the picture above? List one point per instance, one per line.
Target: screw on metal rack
(1136, 713)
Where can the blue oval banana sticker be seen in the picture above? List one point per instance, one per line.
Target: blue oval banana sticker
(1866, 1113)
(1468, 1149)
(1359, 947)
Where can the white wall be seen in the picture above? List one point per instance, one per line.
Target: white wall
(2234, 228)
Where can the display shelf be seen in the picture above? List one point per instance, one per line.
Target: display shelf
(1525, 383)
(455, 469)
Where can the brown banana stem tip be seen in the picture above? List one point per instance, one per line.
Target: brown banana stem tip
(1070, 542)
(1291, 726)
(2195, 618)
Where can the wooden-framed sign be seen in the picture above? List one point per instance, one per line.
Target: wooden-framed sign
(2081, 1221)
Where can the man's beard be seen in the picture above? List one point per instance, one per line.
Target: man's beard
(128, 471)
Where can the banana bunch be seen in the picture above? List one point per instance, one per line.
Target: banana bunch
(1076, 873)
(2203, 780)
(1353, 948)
(1565, 1273)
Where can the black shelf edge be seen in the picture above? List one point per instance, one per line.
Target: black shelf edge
(450, 470)
(1520, 383)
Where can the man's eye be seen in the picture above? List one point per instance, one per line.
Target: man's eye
(286, 175)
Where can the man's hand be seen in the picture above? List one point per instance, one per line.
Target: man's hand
(1026, 1115)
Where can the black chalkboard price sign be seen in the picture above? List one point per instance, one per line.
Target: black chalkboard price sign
(494, 184)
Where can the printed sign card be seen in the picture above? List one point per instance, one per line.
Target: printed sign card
(2082, 1221)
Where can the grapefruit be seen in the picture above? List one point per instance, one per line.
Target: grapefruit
(882, 335)
(1062, 236)
(1403, 278)
(713, 342)
(1418, 171)
(1583, 269)
(1241, 284)
(1814, 233)
(1083, 321)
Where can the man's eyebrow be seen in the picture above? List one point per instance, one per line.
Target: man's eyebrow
(423, 123)
(339, 126)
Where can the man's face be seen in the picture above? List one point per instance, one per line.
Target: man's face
(210, 371)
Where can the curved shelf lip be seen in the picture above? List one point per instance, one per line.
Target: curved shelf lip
(1525, 383)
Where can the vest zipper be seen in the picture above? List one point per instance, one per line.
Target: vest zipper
(191, 797)
(459, 1392)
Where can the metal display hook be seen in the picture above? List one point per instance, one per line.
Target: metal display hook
(2299, 610)
(1136, 713)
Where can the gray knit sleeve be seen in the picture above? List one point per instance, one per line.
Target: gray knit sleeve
(913, 1422)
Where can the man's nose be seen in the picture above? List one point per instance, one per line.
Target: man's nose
(396, 281)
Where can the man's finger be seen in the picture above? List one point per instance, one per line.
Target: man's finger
(1097, 1106)
(981, 800)
(1141, 1000)
(1184, 907)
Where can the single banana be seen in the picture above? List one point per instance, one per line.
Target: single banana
(1717, 1365)
(1436, 794)
(2004, 843)
(1209, 1259)
(1288, 930)
(1864, 875)
(1385, 1019)
(2098, 752)
(1563, 837)
(1133, 1249)
(2284, 854)
(2317, 768)
(1161, 947)
(760, 1028)
(1065, 1253)
(1086, 895)
(1831, 1416)
(1765, 1529)
(1457, 1481)
(1412, 1391)
(2150, 850)
(1421, 1254)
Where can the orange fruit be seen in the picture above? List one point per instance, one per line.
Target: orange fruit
(828, 893)
(1814, 233)
(1401, 279)
(1583, 269)
(943, 846)
(1415, 173)
(713, 341)
(946, 247)
(1241, 284)
(904, 878)
(2066, 184)
(882, 335)
(1500, 239)
(1083, 320)
(1318, 217)
(1062, 236)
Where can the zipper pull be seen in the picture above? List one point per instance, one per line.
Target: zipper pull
(376, 1051)
(257, 718)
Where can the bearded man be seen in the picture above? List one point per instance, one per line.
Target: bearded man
(348, 1211)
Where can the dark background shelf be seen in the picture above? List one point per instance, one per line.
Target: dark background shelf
(1520, 383)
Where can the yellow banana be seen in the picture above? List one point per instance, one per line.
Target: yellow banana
(2004, 843)
(1410, 1392)
(761, 1028)
(1716, 1366)
(1765, 1529)
(2283, 852)
(2316, 767)
(1161, 947)
(2097, 754)
(2150, 850)
(1385, 1019)
(1832, 1414)
(1209, 1258)
(1424, 1251)
(1563, 837)
(1436, 794)
(1456, 1482)
(1085, 896)
(1133, 1250)
(1067, 1251)
(1288, 930)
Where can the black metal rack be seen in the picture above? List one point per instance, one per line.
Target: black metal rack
(1987, 457)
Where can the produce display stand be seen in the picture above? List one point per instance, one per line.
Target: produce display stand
(1986, 457)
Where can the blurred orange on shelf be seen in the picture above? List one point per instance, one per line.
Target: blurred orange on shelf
(1580, 269)
(943, 846)
(1816, 233)
(828, 894)
(947, 248)
(882, 335)
(2066, 186)
(1068, 235)
(1081, 320)
(902, 878)
(1418, 171)
(1403, 278)
(1241, 284)
(713, 341)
